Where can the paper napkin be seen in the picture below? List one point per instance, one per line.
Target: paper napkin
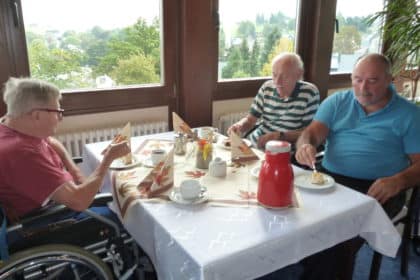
(181, 126)
(142, 183)
(240, 151)
(124, 135)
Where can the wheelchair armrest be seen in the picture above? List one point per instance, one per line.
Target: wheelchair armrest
(51, 210)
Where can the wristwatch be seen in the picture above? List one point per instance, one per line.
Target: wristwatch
(281, 135)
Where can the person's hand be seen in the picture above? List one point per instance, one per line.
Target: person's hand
(305, 155)
(115, 151)
(384, 188)
(236, 127)
(263, 139)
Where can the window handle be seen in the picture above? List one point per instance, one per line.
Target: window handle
(14, 6)
(336, 26)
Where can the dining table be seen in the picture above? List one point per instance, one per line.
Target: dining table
(229, 235)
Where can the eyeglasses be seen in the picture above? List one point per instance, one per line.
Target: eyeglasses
(59, 112)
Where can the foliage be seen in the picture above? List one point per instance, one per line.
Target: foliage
(74, 60)
(283, 45)
(348, 40)
(136, 69)
(400, 21)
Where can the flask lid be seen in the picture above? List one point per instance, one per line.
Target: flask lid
(275, 147)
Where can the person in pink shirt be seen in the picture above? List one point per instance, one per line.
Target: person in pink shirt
(35, 168)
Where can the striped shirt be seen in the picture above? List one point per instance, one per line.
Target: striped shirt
(283, 114)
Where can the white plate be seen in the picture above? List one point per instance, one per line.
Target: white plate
(118, 164)
(255, 172)
(175, 196)
(221, 145)
(304, 181)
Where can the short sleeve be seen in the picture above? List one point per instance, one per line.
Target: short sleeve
(326, 111)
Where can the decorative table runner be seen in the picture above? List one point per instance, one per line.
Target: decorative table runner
(238, 188)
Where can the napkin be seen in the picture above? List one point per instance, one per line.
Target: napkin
(240, 151)
(181, 126)
(143, 183)
(124, 135)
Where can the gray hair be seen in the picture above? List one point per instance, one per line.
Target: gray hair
(22, 95)
(291, 56)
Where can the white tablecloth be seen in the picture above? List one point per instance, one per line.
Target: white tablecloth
(207, 242)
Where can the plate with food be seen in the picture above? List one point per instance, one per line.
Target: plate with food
(314, 181)
(225, 143)
(123, 164)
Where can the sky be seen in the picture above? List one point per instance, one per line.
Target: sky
(81, 15)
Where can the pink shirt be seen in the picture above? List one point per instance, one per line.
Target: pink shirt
(30, 171)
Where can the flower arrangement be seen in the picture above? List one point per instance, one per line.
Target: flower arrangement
(204, 147)
(204, 153)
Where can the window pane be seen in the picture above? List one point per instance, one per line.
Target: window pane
(355, 37)
(94, 44)
(252, 33)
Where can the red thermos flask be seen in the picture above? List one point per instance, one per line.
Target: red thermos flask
(275, 183)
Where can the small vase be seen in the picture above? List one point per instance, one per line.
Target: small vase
(201, 162)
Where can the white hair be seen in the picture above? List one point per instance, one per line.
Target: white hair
(289, 55)
(22, 95)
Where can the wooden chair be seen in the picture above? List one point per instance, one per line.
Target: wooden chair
(409, 221)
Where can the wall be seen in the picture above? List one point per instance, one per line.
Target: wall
(112, 119)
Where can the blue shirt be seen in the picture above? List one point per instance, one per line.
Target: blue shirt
(369, 146)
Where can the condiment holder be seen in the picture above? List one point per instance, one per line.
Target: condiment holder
(217, 167)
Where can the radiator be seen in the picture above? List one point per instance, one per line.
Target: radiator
(74, 142)
(226, 120)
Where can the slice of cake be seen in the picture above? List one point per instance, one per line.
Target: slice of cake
(317, 178)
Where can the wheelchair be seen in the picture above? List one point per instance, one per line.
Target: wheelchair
(92, 247)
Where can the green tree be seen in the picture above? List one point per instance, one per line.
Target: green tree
(244, 50)
(246, 29)
(136, 69)
(56, 65)
(254, 65)
(233, 63)
(270, 41)
(348, 40)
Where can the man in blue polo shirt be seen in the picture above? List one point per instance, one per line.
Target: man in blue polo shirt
(372, 145)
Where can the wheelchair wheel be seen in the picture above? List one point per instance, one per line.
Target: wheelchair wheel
(55, 261)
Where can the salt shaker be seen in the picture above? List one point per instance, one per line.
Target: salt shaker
(180, 144)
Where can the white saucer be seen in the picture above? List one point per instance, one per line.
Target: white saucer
(255, 172)
(304, 181)
(118, 164)
(175, 196)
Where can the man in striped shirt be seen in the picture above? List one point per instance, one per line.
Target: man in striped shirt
(284, 105)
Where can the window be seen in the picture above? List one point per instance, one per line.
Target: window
(252, 33)
(354, 37)
(85, 44)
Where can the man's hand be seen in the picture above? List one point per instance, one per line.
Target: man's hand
(305, 154)
(263, 139)
(236, 127)
(384, 188)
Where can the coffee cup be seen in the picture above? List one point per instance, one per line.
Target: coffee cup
(190, 189)
(157, 156)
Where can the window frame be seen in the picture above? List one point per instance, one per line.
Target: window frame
(87, 101)
(190, 56)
